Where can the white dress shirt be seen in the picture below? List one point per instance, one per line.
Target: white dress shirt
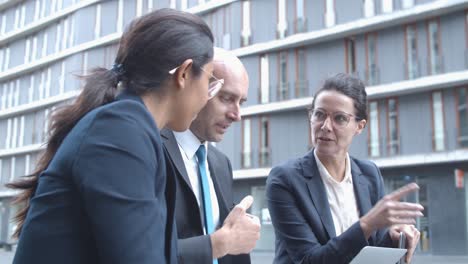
(340, 196)
(188, 146)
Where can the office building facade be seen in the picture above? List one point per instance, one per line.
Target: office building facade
(412, 55)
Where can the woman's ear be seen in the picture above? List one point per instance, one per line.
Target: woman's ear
(183, 72)
(361, 126)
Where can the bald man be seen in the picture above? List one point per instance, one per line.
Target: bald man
(234, 233)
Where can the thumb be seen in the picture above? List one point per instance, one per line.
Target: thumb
(246, 203)
(239, 210)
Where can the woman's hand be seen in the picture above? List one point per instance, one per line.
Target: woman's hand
(412, 238)
(390, 211)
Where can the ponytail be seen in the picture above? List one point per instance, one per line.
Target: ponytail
(100, 88)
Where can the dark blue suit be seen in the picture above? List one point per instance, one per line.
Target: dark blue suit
(103, 197)
(193, 246)
(301, 215)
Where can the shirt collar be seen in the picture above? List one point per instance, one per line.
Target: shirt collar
(326, 175)
(189, 143)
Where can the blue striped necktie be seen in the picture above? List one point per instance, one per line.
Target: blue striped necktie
(209, 225)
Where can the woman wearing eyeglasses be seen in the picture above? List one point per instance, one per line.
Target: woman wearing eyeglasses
(100, 192)
(326, 206)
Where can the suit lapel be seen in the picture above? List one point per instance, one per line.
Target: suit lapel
(361, 192)
(318, 193)
(361, 189)
(216, 172)
(174, 152)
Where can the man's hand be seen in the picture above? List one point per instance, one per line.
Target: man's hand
(239, 233)
(390, 211)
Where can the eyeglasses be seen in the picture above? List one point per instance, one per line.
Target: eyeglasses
(213, 87)
(339, 119)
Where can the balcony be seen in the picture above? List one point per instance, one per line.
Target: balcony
(223, 41)
(302, 88)
(466, 59)
(281, 31)
(246, 159)
(383, 147)
(264, 157)
(412, 69)
(373, 75)
(283, 91)
(264, 94)
(246, 38)
(300, 25)
(436, 65)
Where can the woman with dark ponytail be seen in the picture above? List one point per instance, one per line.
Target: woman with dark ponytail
(100, 192)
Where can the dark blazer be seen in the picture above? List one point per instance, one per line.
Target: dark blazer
(301, 215)
(102, 199)
(193, 246)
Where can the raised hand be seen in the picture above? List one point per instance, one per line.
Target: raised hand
(391, 211)
(239, 233)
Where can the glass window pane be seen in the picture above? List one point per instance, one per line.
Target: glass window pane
(387, 6)
(412, 53)
(463, 117)
(264, 80)
(434, 48)
(264, 159)
(439, 133)
(369, 8)
(245, 23)
(374, 129)
(283, 77)
(351, 53)
(393, 140)
(246, 144)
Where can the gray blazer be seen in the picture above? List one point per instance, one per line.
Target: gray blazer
(193, 246)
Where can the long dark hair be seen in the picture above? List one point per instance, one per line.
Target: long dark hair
(151, 46)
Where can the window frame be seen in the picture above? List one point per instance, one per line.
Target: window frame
(347, 53)
(370, 69)
(243, 145)
(407, 52)
(282, 82)
(429, 47)
(397, 127)
(262, 161)
(264, 78)
(433, 123)
(370, 132)
(301, 84)
(457, 111)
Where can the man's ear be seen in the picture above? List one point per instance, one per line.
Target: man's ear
(361, 126)
(183, 72)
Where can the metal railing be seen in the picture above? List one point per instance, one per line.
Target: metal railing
(373, 75)
(412, 69)
(246, 160)
(283, 91)
(466, 59)
(300, 25)
(436, 64)
(264, 99)
(264, 157)
(302, 88)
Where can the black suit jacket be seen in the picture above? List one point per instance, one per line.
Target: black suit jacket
(102, 199)
(301, 215)
(193, 246)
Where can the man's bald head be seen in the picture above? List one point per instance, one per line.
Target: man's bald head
(228, 67)
(219, 113)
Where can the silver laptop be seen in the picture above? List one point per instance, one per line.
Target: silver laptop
(381, 255)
